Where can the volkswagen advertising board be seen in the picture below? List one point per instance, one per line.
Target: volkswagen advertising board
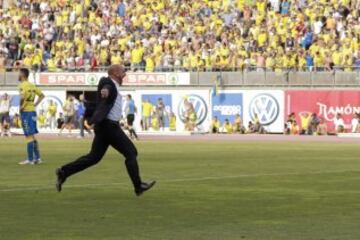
(179, 100)
(200, 101)
(57, 97)
(268, 106)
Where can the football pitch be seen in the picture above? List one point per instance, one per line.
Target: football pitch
(206, 190)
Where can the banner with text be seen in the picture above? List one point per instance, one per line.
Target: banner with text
(227, 105)
(325, 103)
(132, 78)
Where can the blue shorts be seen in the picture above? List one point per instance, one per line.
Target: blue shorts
(28, 121)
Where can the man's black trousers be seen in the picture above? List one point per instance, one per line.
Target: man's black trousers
(108, 133)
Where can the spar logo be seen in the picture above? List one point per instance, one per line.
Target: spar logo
(173, 79)
(193, 102)
(266, 107)
(92, 79)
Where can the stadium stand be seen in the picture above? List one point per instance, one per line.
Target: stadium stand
(167, 35)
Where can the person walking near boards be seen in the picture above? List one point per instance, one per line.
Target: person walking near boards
(130, 110)
(105, 120)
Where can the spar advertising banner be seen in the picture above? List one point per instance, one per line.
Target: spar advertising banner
(325, 103)
(158, 78)
(177, 101)
(57, 97)
(226, 105)
(132, 78)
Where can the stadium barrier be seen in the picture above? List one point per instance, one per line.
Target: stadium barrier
(256, 78)
(271, 107)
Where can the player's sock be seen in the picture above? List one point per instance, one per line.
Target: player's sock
(30, 150)
(36, 150)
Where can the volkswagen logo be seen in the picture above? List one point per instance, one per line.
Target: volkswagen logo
(45, 103)
(266, 107)
(199, 105)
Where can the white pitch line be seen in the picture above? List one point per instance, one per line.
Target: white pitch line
(48, 187)
(52, 186)
(254, 175)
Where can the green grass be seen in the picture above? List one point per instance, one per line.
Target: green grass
(205, 190)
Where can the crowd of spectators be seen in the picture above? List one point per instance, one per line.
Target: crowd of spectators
(312, 124)
(237, 126)
(159, 35)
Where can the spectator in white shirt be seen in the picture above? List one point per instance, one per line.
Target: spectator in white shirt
(318, 26)
(354, 123)
(339, 123)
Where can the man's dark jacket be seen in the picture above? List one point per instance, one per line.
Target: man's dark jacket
(97, 112)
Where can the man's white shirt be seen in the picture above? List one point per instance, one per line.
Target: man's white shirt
(115, 113)
(4, 106)
(354, 124)
(339, 122)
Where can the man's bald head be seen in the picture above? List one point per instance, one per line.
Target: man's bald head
(116, 68)
(117, 72)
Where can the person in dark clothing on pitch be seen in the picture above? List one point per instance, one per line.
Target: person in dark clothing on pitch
(105, 121)
(130, 110)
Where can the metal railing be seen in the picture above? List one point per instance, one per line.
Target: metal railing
(254, 76)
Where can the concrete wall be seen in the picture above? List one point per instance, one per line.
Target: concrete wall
(252, 79)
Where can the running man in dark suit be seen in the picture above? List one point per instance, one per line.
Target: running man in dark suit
(105, 121)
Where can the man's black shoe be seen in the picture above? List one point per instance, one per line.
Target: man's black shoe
(60, 179)
(144, 187)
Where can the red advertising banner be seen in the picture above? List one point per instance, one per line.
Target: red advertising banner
(325, 103)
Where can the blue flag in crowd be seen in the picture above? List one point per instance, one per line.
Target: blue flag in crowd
(217, 85)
